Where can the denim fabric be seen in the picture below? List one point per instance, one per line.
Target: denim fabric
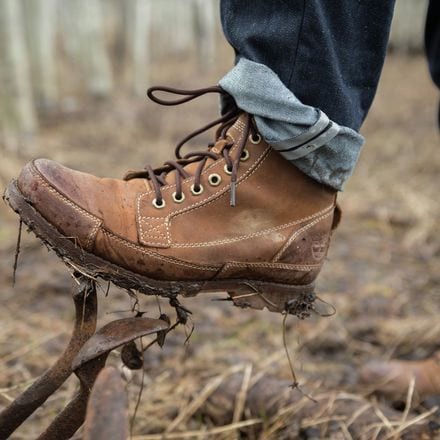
(432, 40)
(303, 134)
(329, 53)
(432, 43)
(302, 60)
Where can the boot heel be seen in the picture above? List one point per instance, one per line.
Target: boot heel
(281, 298)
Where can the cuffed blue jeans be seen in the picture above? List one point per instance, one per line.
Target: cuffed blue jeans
(308, 71)
(432, 43)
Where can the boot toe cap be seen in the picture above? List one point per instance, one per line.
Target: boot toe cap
(44, 184)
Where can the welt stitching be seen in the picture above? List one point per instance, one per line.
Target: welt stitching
(299, 267)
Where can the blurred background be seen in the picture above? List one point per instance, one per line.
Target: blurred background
(73, 80)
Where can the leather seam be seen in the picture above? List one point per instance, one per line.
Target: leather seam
(157, 256)
(225, 189)
(166, 220)
(157, 234)
(295, 235)
(91, 237)
(206, 170)
(298, 267)
(210, 199)
(64, 199)
(239, 127)
(255, 234)
(173, 185)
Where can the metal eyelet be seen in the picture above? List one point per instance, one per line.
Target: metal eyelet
(255, 140)
(244, 155)
(227, 170)
(158, 205)
(177, 199)
(214, 179)
(196, 192)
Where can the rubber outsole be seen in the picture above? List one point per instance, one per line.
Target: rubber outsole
(256, 294)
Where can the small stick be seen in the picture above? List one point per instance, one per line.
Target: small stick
(141, 389)
(17, 252)
(295, 383)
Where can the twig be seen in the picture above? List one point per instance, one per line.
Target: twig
(199, 400)
(141, 389)
(198, 434)
(17, 252)
(383, 418)
(414, 421)
(240, 401)
(286, 350)
(295, 383)
(409, 397)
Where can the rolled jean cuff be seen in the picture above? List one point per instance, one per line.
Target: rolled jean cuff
(304, 135)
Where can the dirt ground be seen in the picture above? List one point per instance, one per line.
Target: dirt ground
(382, 275)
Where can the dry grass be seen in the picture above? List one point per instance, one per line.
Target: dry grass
(383, 278)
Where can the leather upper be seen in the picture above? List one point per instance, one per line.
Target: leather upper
(279, 229)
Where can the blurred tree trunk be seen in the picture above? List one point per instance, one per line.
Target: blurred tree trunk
(137, 47)
(205, 26)
(17, 115)
(171, 26)
(85, 42)
(408, 25)
(181, 27)
(40, 19)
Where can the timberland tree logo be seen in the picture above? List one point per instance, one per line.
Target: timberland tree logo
(319, 246)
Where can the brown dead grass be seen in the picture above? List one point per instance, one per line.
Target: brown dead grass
(382, 274)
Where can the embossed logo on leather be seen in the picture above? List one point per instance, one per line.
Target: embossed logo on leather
(319, 246)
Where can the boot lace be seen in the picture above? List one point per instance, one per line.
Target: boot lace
(157, 176)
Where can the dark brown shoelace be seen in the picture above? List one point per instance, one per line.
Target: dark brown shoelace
(157, 176)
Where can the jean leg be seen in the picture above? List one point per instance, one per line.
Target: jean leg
(300, 63)
(432, 43)
(328, 53)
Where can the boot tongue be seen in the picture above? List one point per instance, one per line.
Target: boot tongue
(233, 134)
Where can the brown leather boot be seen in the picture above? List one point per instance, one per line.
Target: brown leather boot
(394, 377)
(173, 230)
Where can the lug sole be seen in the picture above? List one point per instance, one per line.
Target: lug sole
(256, 294)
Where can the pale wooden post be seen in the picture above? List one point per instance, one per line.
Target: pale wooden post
(138, 18)
(41, 20)
(17, 114)
(173, 27)
(181, 27)
(408, 25)
(206, 26)
(85, 42)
